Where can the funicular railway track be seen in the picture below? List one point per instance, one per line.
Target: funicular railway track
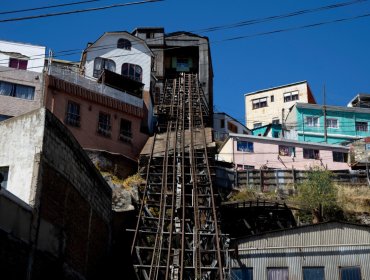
(177, 234)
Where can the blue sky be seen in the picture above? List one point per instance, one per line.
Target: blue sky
(335, 55)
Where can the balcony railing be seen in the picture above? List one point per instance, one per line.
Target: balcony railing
(71, 76)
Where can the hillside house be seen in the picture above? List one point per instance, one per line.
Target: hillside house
(255, 152)
(21, 78)
(327, 124)
(271, 105)
(106, 102)
(224, 124)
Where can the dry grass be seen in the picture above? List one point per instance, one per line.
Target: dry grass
(354, 199)
(132, 181)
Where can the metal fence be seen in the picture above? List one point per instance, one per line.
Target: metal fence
(279, 179)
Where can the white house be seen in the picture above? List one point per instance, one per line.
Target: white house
(121, 61)
(223, 124)
(22, 56)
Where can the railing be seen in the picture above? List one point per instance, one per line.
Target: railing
(284, 179)
(71, 76)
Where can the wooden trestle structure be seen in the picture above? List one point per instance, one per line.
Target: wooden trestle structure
(177, 234)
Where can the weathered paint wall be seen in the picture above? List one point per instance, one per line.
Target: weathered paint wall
(330, 245)
(20, 139)
(273, 111)
(70, 203)
(12, 106)
(87, 134)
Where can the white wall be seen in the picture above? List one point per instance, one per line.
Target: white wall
(35, 54)
(20, 139)
(107, 47)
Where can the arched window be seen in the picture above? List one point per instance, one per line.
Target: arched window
(132, 71)
(124, 44)
(101, 63)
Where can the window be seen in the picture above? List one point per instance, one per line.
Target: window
(125, 133)
(150, 35)
(275, 121)
(312, 121)
(245, 273)
(245, 146)
(332, 123)
(103, 63)
(275, 134)
(248, 167)
(361, 126)
(4, 117)
(257, 125)
(291, 96)
(232, 127)
(286, 151)
(259, 103)
(350, 273)
(104, 127)
(18, 63)
(73, 114)
(132, 71)
(222, 123)
(16, 90)
(4, 172)
(182, 65)
(124, 44)
(311, 154)
(340, 157)
(272, 98)
(313, 273)
(278, 273)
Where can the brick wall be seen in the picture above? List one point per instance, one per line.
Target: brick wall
(83, 235)
(63, 153)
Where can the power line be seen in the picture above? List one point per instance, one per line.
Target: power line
(294, 28)
(277, 17)
(48, 7)
(239, 37)
(79, 11)
(73, 51)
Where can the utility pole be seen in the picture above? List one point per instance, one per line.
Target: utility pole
(324, 112)
(282, 123)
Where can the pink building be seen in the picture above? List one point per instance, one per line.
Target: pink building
(254, 152)
(98, 122)
(106, 100)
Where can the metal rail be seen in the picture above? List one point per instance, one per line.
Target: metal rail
(177, 234)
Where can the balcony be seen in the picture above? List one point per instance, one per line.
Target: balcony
(70, 75)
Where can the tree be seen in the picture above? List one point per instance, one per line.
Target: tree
(318, 193)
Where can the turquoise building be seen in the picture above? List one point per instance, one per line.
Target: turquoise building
(326, 124)
(270, 130)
